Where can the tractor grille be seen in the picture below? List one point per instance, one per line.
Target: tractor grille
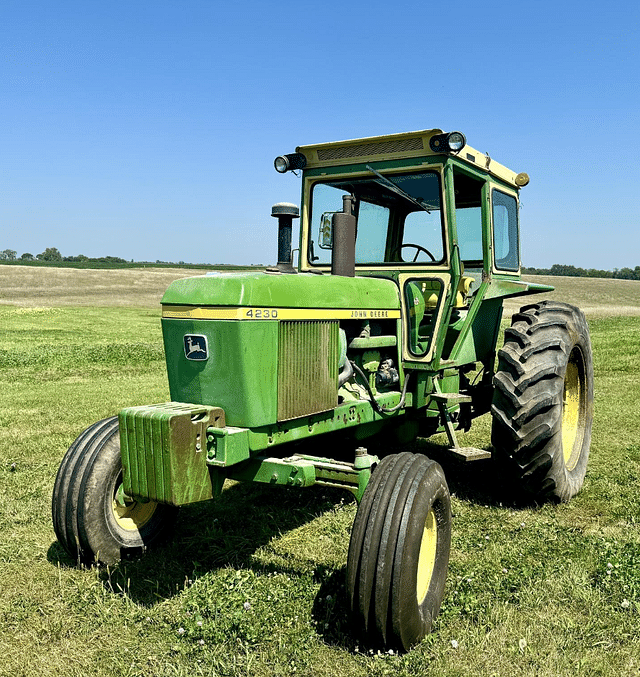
(373, 148)
(308, 354)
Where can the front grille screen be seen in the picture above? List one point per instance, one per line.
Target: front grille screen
(308, 353)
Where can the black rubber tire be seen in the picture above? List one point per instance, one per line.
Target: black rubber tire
(390, 602)
(83, 510)
(544, 391)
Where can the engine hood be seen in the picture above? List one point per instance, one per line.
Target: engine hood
(265, 290)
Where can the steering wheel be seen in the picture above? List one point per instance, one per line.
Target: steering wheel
(419, 248)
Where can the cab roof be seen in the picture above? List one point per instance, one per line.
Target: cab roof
(397, 146)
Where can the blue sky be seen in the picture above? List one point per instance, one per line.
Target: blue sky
(147, 130)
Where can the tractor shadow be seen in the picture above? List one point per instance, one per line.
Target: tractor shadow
(213, 535)
(482, 482)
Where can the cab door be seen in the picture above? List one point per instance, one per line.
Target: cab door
(424, 296)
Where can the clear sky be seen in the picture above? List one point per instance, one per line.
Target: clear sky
(147, 130)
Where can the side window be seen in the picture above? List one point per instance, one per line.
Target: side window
(469, 227)
(505, 231)
(468, 201)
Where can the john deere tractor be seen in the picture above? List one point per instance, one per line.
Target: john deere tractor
(385, 329)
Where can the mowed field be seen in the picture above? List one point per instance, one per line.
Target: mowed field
(254, 583)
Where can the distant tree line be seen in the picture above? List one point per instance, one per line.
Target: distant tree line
(52, 254)
(572, 271)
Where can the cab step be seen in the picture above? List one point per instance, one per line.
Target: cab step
(470, 453)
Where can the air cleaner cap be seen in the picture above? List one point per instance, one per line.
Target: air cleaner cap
(285, 209)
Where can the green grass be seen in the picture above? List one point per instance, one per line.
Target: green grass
(254, 584)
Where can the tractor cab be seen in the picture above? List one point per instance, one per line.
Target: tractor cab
(422, 209)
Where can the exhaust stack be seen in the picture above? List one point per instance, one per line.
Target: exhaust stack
(285, 212)
(343, 260)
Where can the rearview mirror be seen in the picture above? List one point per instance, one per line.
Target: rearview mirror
(325, 237)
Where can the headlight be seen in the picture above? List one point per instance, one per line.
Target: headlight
(456, 141)
(285, 163)
(453, 142)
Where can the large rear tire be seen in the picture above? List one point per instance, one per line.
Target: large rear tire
(399, 551)
(543, 401)
(93, 520)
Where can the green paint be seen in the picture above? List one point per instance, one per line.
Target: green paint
(305, 471)
(240, 375)
(265, 290)
(164, 452)
(227, 446)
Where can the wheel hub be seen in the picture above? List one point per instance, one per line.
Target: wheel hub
(130, 514)
(427, 557)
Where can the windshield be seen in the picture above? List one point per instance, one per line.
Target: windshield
(397, 223)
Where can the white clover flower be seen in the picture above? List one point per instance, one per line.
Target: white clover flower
(454, 643)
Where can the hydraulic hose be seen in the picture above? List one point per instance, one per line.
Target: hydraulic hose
(374, 403)
(345, 374)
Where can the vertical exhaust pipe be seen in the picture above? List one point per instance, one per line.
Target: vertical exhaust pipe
(285, 212)
(343, 260)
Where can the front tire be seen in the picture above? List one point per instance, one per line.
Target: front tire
(93, 519)
(399, 551)
(543, 401)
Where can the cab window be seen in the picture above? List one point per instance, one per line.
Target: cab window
(468, 198)
(505, 231)
(399, 218)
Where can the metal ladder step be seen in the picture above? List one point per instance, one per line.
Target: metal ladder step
(470, 453)
(450, 398)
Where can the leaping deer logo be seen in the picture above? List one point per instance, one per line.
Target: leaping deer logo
(194, 347)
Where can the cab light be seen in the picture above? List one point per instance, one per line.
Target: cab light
(452, 142)
(290, 162)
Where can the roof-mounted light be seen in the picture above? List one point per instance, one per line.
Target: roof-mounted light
(452, 142)
(522, 179)
(290, 162)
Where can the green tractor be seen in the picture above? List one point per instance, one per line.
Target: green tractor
(384, 330)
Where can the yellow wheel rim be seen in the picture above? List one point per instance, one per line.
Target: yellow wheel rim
(131, 515)
(427, 557)
(572, 400)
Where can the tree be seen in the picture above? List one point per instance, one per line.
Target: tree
(27, 257)
(50, 254)
(8, 255)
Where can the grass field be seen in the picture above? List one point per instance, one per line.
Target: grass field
(253, 584)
